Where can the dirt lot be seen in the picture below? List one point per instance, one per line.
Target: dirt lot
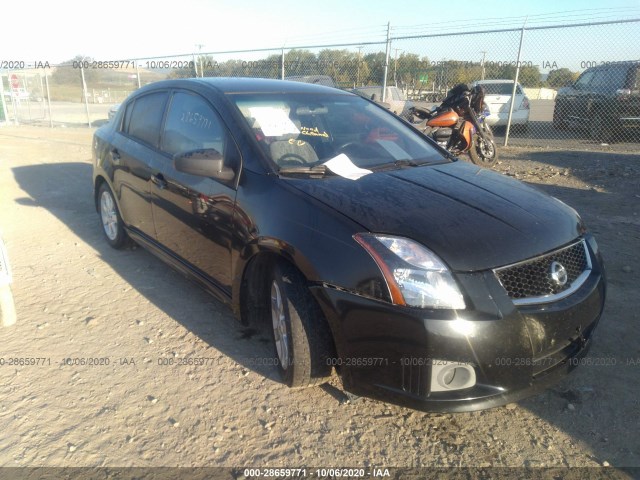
(78, 298)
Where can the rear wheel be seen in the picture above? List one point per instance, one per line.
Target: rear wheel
(559, 121)
(483, 151)
(599, 131)
(112, 225)
(302, 339)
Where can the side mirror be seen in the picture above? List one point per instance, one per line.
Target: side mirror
(203, 163)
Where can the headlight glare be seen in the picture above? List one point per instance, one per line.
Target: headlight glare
(416, 276)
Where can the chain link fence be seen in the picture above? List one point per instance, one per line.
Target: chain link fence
(576, 85)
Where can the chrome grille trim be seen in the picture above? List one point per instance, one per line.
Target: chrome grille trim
(575, 284)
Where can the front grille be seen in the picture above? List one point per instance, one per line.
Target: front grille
(532, 281)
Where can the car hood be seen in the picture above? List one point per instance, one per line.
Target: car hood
(473, 218)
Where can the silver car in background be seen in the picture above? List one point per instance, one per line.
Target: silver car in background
(394, 99)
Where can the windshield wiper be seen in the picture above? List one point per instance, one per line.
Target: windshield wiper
(405, 162)
(315, 170)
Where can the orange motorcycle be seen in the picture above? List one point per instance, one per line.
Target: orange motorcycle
(459, 125)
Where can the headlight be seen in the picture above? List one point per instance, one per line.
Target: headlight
(415, 276)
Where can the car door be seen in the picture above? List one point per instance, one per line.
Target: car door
(578, 97)
(598, 87)
(134, 152)
(625, 94)
(193, 215)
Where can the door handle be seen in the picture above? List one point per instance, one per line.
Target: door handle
(159, 181)
(115, 155)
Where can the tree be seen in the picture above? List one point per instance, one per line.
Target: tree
(529, 77)
(561, 77)
(375, 66)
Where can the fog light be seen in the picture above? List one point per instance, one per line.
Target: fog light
(447, 375)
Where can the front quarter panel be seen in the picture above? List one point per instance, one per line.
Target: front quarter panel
(277, 218)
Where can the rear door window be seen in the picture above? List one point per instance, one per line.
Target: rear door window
(145, 119)
(500, 89)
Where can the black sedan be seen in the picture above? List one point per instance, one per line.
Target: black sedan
(423, 280)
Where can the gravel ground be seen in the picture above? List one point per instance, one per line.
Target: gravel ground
(77, 298)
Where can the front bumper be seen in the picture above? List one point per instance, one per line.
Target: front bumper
(386, 352)
(520, 117)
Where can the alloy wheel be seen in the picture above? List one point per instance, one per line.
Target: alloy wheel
(109, 215)
(279, 324)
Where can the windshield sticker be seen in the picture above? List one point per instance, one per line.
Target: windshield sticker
(274, 122)
(313, 132)
(343, 166)
(196, 119)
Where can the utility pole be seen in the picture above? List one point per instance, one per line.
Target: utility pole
(358, 72)
(200, 45)
(386, 64)
(484, 54)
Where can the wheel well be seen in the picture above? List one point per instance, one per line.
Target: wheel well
(96, 188)
(255, 289)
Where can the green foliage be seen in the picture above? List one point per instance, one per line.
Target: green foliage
(561, 78)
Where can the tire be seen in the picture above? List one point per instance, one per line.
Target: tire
(598, 129)
(522, 128)
(301, 337)
(558, 122)
(483, 153)
(112, 225)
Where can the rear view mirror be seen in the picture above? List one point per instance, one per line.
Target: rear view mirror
(204, 163)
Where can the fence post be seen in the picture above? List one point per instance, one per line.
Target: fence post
(513, 92)
(386, 63)
(84, 92)
(4, 114)
(282, 65)
(7, 305)
(46, 82)
(26, 89)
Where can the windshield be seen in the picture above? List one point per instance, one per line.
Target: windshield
(308, 130)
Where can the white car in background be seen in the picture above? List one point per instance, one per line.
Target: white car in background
(113, 110)
(498, 96)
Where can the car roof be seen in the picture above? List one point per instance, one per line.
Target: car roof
(614, 63)
(482, 82)
(374, 86)
(245, 85)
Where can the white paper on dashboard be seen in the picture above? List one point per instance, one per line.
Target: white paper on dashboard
(343, 166)
(274, 122)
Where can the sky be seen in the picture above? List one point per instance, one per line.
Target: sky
(55, 31)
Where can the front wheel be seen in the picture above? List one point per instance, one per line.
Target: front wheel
(301, 335)
(483, 151)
